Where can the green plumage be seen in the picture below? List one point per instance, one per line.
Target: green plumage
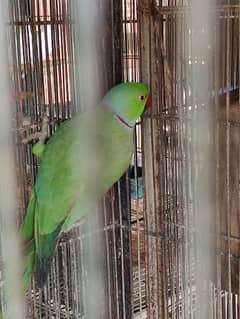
(81, 161)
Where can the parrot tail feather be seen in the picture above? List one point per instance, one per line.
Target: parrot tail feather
(43, 266)
(29, 264)
(46, 254)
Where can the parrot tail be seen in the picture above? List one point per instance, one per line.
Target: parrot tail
(43, 265)
(29, 264)
(45, 255)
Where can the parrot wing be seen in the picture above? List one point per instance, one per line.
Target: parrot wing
(57, 188)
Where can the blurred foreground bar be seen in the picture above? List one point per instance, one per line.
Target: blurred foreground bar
(11, 299)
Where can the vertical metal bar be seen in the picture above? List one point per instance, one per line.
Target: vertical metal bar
(228, 82)
(121, 269)
(152, 209)
(115, 267)
(123, 203)
(54, 61)
(179, 158)
(203, 160)
(12, 297)
(108, 263)
(216, 46)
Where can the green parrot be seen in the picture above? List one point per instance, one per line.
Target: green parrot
(72, 173)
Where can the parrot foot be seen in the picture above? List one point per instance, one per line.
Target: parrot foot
(42, 135)
(44, 132)
(38, 148)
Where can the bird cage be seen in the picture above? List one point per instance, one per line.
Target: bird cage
(153, 226)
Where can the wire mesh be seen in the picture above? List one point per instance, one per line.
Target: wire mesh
(46, 67)
(42, 62)
(172, 167)
(43, 77)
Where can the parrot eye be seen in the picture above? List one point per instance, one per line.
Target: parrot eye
(141, 98)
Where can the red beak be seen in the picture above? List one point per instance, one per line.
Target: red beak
(148, 103)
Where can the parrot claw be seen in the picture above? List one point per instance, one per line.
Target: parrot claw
(38, 148)
(42, 135)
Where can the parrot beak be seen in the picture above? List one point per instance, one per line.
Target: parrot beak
(148, 103)
(148, 106)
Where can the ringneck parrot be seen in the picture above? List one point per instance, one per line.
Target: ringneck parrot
(72, 173)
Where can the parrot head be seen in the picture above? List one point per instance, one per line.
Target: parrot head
(127, 101)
